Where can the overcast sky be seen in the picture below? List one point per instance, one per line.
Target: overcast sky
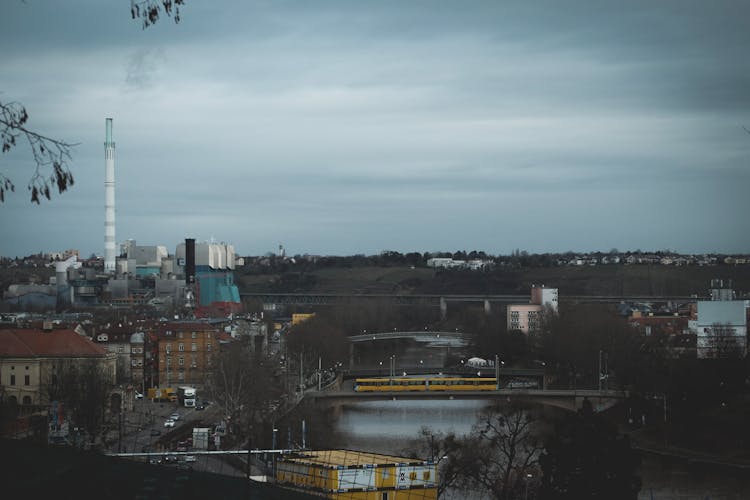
(360, 126)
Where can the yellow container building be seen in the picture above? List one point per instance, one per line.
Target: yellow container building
(355, 475)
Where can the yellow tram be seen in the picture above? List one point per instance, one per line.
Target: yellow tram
(425, 384)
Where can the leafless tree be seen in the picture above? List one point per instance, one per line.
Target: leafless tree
(50, 156)
(84, 388)
(504, 452)
(449, 452)
(495, 460)
(243, 385)
(724, 342)
(149, 10)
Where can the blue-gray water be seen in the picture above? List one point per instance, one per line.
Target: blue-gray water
(391, 427)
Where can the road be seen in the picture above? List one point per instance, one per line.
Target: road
(143, 430)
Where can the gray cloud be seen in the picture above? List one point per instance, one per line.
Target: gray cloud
(352, 127)
(143, 67)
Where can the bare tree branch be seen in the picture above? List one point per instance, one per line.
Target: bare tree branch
(149, 10)
(49, 154)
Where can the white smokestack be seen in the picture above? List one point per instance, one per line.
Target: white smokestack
(109, 199)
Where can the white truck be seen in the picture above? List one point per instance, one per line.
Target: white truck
(186, 396)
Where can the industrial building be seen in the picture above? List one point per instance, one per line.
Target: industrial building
(208, 271)
(355, 475)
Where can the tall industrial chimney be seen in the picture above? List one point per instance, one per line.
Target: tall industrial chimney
(109, 200)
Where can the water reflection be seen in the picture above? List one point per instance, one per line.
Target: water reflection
(384, 426)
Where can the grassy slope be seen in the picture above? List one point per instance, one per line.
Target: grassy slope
(599, 280)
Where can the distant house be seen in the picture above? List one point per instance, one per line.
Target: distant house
(449, 263)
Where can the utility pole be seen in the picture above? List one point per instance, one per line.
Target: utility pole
(301, 375)
(320, 374)
(119, 429)
(249, 448)
(497, 372)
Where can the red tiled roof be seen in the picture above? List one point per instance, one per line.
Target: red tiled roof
(21, 343)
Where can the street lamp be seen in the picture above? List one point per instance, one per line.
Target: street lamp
(529, 477)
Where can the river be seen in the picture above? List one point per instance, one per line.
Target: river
(392, 427)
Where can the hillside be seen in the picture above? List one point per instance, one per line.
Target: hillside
(595, 280)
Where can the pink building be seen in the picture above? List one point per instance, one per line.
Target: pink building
(527, 317)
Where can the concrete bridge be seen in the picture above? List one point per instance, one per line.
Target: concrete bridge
(451, 339)
(442, 300)
(465, 371)
(567, 399)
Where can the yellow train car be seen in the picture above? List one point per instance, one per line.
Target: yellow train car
(462, 384)
(383, 384)
(425, 384)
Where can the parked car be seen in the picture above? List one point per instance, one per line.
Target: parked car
(138, 395)
(175, 416)
(155, 432)
(169, 423)
(190, 458)
(200, 407)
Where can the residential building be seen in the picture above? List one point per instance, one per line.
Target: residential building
(721, 323)
(116, 340)
(29, 357)
(524, 317)
(528, 317)
(721, 327)
(346, 474)
(186, 352)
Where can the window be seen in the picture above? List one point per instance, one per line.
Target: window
(179, 335)
(169, 361)
(27, 400)
(193, 347)
(26, 380)
(12, 379)
(181, 376)
(208, 346)
(181, 347)
(120, 349)
(194, 335)
(168, 348)
(181, 361)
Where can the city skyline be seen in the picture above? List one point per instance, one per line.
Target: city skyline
(340, 128)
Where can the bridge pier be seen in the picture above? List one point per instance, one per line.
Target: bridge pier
(487, 307)
(443, 308)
